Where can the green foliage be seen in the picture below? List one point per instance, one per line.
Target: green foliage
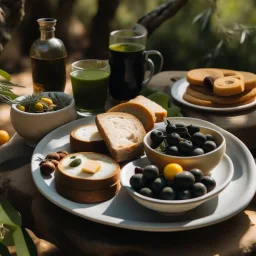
(11, 232)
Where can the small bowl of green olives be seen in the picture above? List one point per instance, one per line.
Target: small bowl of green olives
(176, 190)
(185, 143)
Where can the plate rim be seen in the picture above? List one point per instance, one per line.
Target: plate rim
(147, 226)
(182, 82)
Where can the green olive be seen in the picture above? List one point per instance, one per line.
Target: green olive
(75, 162)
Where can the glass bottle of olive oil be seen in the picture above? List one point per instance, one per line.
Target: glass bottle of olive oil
(48, 59)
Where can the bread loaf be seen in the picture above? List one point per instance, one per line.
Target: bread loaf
(123, 134)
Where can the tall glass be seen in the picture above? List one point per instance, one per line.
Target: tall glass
(90, 80)
(128, 59)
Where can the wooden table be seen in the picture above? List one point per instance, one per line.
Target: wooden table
(77, 236)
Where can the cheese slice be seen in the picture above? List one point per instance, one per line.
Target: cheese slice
(91, 166)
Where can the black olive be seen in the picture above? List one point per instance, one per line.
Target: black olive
(157, 185)
(137, 181)
(198, 189)
(209, 182)
(168, 193)
(192, 129)
(173, 139)
(146, 192)
(196, 151)
(183, 194)
(198, 139)
(157, 136)
(198, 174)
(184, 179)
(151, 172)
(209, 146)
(185, 146)
(170, 128)
(172, 150)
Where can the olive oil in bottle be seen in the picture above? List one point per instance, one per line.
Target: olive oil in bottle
(48, 59)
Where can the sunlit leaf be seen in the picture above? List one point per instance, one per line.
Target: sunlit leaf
(206, 19)
(9, 215)
(198, 17)
(5, 75)
(243, 37)
(23, 243)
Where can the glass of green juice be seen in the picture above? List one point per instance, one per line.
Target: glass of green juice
(89, 80)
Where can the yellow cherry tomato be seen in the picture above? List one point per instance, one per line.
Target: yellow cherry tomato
(4, 137)
(38, 107)
(21, 108)
(47, 101)
(171, 170)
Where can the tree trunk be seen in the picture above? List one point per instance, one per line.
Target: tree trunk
(11, 15)
(100, 29)
(155, 18)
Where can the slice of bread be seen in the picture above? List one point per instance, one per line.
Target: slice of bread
(159, 112)
(123, 134)
(87, 139)
(146, 117)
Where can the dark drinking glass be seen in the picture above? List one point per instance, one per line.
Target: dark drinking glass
(127, 62)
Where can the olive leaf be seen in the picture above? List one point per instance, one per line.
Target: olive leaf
(8, 214)
(23, 243)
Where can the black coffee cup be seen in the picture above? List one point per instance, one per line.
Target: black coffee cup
(127, 61)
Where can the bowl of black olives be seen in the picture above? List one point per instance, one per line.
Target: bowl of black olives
(185, 143)
(176, 190)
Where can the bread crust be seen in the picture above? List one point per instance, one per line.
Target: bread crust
(80, 145)
(83, 183)
(159, 112)
(124, 153)
(146, 116)
(88, 197)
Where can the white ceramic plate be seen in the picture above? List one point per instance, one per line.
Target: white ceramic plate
(122, 211)
(179, 87)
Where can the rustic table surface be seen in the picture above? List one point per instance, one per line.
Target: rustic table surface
(76, 236)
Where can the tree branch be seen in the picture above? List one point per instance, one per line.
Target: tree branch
(155, 18)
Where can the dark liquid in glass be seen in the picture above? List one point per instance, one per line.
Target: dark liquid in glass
(127, 70)
(49, 75)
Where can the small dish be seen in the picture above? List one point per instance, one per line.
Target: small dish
(205, 162)
(222, 174)
(34, 126)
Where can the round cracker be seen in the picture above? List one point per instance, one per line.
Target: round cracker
(205, 103)
(197, 76)
(228, 86)
(244, 96)
(249, 80)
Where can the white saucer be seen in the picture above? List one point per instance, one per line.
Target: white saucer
(179, 88)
